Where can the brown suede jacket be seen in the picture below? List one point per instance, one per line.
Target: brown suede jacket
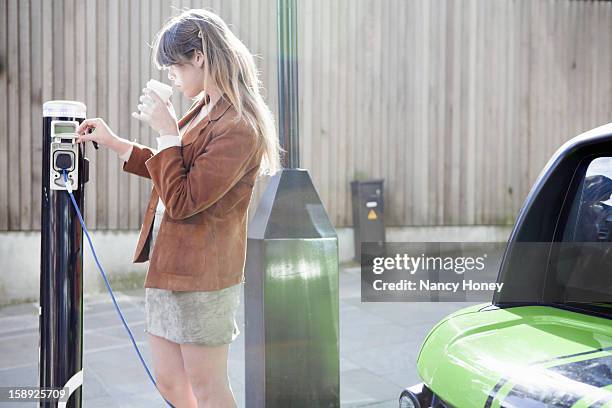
(206, 186)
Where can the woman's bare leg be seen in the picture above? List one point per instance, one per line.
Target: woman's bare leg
(170, 374)
(206, 369)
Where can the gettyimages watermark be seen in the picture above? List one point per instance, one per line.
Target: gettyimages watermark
(531, 272)
(430, 271)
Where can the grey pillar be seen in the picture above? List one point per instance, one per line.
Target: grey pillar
(291, 289)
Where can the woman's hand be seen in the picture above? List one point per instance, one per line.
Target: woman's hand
(96, 130)
(157, 114)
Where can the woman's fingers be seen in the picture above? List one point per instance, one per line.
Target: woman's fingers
(154, 111)
(147, 106)
(147, 100)
(155, 97)
(85, 137)
(152, 94)
(86, 124)
(141, 116)
(145, 109)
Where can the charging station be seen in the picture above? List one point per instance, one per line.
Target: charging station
(61, 263)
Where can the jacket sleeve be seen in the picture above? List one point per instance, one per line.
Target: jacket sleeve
(136, 162)
(221, 164)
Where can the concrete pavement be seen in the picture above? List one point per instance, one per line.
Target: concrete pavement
(379, 343)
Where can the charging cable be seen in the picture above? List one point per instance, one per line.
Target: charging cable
(76, 207)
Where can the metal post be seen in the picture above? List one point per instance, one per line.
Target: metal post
(288, 109)
(61, 263)
(291, 286)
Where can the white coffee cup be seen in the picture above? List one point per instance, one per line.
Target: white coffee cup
(164, 91)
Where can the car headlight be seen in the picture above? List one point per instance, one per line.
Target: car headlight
(408, 400)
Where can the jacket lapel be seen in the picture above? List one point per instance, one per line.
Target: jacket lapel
(215, 114)
(193, 110)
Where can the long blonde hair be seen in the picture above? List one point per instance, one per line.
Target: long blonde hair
(228, 64)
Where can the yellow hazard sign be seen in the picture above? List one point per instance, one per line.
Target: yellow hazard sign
(372, 215)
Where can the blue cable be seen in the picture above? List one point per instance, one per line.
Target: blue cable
(76, 207)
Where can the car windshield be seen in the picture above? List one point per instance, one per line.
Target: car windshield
(573, 267)
(580, 268)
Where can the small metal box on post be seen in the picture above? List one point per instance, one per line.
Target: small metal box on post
(368, 212)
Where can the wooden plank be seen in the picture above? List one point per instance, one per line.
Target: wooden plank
(135, 85)
(4, 141)
(25, 124)
(362, 92)
(245, 29)
(469, 136)
(479, 114)
(124, 115)
(493, 124)
(47, 51)
(454, 116)
(59, 49)
(388, 103)
(460, 113)
(436, 112)
(606, 47)
(146, 38)
(513, 158)
(272, 83)
(69, 49)
(14, 172)
(36, 111)
(113, 84)
(423, 128)
(322, 117)
(333, 97)
(485, 124)
(442, 151)
(268, 67)
(574, 69)
(352, 104)
(524, 111)
(80, 83)
(91, 191)
(535, 145)
(343, 137)
(235, 23)
(603, 72)
(160, 11)
(177, 8)
(498, 124)
(102, 94)
(47, 60)
(409, 133)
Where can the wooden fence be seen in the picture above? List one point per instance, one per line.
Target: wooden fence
(456, 104)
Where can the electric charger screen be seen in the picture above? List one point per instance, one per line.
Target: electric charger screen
(59, 128)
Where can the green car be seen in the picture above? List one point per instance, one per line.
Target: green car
(545, 340)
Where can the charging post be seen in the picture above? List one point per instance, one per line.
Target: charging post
(61, 263)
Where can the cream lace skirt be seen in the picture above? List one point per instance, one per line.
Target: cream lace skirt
(205, 318)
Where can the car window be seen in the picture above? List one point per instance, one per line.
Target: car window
(581, 264)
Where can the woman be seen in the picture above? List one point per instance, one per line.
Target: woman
(203, 173)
